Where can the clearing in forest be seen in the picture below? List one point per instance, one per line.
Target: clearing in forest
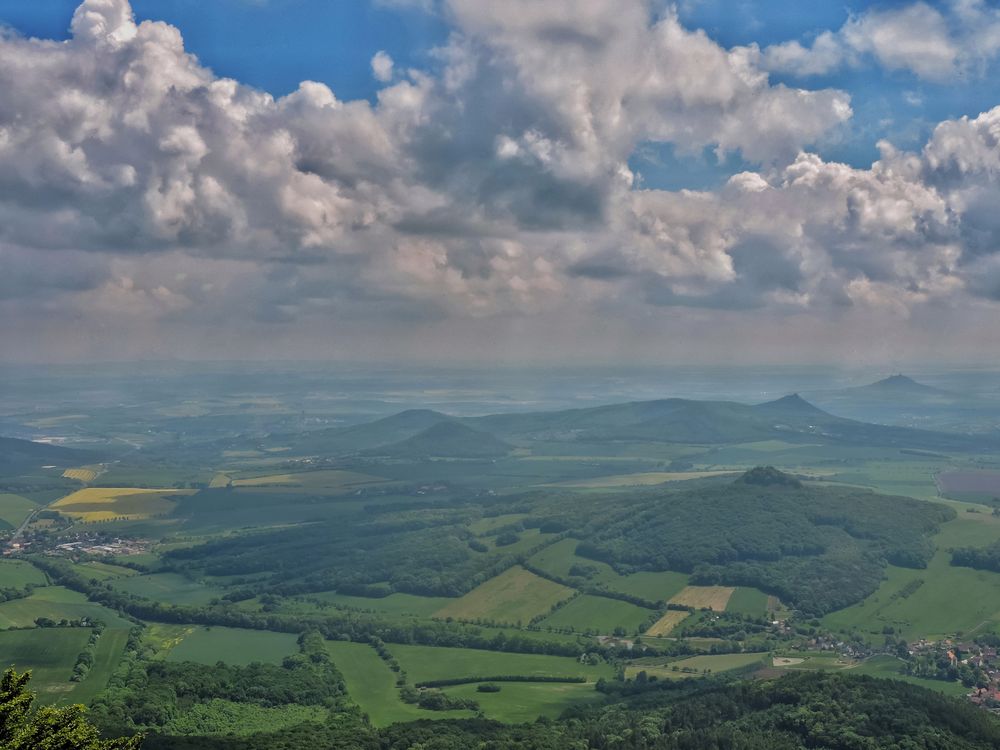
(704, 597)
(514, 596)
(670, 620)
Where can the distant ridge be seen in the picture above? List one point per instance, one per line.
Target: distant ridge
(27, 452)
(793, 403)
(448, 439)
(901, 385)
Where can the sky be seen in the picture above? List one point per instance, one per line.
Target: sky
(471, 182)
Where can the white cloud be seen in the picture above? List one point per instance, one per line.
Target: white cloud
(917, 37)
(382, 66)
(498, 188)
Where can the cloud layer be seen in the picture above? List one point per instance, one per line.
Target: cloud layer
(141, 195)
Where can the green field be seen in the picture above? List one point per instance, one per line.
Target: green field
(949, 599)
(394, 604)
(888, 666)
(598, 614)
(56, 603)
(436, 663)
(19, 573)
(170, 588)
(748, 601)
(696, 665)
(50, 654)
(519, 702)
(372, 685)
(514, 596)
(208, 645)
(14, 509)
(558, 558)
(103, 571)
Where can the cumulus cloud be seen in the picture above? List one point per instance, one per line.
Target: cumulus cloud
(496, 188)
(917, 37)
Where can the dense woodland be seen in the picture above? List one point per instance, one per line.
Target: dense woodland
(817, 548)
(835, 712)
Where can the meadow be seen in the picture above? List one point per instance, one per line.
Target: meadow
(49, 654)
(169, 587)
(56, 603)
(372, 685)
(598, 614)
(515, 596)
(19, 573)
(423, 663)
(704, 597)
(208, 645)
(15, 508)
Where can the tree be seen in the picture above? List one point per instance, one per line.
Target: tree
(47, 728)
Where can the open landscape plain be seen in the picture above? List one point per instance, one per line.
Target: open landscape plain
(262, 571)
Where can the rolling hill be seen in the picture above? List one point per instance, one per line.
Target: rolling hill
(449, 439)
(15, 452)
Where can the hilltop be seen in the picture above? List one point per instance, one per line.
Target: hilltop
(446, 439)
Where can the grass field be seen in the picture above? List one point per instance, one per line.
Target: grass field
(939, 601)
(208, 645)
(56, 603)
(81, 475)
(519, 702)
(514, 596)
(437, 663)
(670, 620)
(110, 646)
(19, 573)
(372, 685)
(597, 614)
(704, 597)
(394, 604)
(50, 655)
(14, 508)
(888, 666)
(694, 665)
(103, 571)
(748, 601)
(171, 588)
(219, 480)
(330, 479)
(558, 558)
(105, 503)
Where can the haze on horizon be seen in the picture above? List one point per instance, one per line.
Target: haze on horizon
(551, 182)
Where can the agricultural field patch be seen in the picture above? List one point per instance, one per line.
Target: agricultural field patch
(748, 601)
(437, 663)
(694, 666)
(887, 666)
(56, 603)
(208, 645)
(110, 647)
(15, 508)
(107, 503)
(19, 573)
(81, 475)
(372, 685)
(103, 571)
(331, 479)
(938, 601)
(704, 597)
(813, 660)
(598, 614)
(514, 596)
(488, 524)
(670, 620)
(519, 702)
(171, 588)
(970, 481)
(49, 653)
(219, 480)
(396, 604)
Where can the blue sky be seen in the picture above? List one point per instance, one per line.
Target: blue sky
(532, 179)
(275, 44)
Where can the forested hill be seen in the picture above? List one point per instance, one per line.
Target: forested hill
(791, 419)
(809, 710)
(27, 453)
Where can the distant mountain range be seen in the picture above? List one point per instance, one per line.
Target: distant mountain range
(422, 433)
